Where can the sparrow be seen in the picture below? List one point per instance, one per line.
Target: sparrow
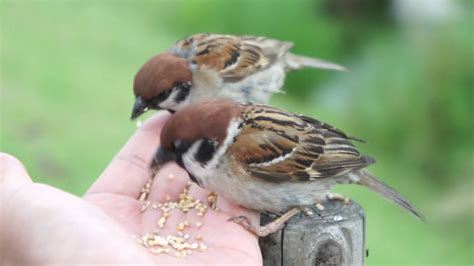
(264, 158)
(209, 66)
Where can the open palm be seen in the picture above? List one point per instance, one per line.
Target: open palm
(54, 226)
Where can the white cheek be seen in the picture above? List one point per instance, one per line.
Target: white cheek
(170, 102)
(192, 166)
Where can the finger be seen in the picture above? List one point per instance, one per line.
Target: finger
(129, 170)
(12, 173)
(168, 183)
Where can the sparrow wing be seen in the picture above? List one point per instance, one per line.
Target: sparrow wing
(233, 57)
(279, 147)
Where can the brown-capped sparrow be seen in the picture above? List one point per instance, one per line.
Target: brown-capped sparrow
(264, 158)
(245, 69)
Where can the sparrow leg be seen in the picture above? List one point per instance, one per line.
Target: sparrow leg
(262, 231)
(335, 196)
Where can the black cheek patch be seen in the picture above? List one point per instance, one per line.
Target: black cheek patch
(179, 161)
(183, 92)
(206, 152)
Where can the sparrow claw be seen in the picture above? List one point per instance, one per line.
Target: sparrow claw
(307, 210)
(319, 206)
(260, 231)
(242, 221)
(272, 227)
(339, 197)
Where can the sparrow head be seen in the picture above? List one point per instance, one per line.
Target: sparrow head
(198, 130)
(164, 82)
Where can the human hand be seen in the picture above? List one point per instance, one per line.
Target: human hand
(43, 225)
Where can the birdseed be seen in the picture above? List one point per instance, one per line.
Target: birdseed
(179, 244)
(161, 222)
(145, 205)
(212, 200)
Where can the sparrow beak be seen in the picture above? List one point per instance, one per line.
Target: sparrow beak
(163, 156)
(138, 108)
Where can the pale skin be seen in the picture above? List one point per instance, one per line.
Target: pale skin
(42, 225)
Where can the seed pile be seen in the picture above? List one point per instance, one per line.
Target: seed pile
(181, 244)
(178, 245)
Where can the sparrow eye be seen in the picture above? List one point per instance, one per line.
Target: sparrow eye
(163, 95)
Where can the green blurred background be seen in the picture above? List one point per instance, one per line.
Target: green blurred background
(67, 71)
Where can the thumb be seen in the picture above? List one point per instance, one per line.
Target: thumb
(12, 173)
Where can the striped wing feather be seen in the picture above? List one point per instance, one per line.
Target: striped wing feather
(278, 147)
(234, 57)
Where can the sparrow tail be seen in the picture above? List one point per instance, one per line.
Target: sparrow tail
(366, 179)
(294, 62)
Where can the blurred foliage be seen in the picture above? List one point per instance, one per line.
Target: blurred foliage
(67, 69)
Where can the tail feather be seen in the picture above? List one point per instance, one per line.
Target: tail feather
(366, 179)
(294, 62)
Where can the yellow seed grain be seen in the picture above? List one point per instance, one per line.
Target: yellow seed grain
(198, 224)
(143, 196)
(161, 222)
(157, 250)
(145, 205)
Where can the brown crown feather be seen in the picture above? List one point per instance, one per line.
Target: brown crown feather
(159, 74)
(204, 120)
